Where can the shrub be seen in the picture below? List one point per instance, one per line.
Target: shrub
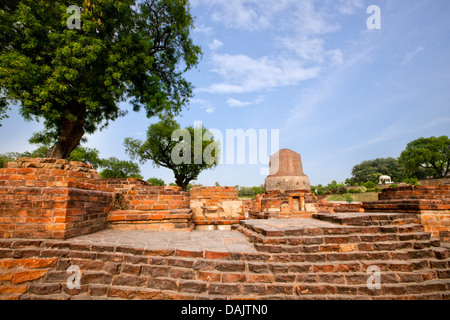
(412, 181)
(341, 189)
(370, 185)
(349, 198)
(362, 189)
(156, 182)
(393, 186)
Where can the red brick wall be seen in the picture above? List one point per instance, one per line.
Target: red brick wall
(216, 206)
(140, 206)
(416, 192)
(430, 203)
(48, 198)
(275, 204)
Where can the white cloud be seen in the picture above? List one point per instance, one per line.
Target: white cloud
(234, 103)
(204, 104)
(348, 7)
(216, 44)
(297, 25)
(202, 29)
(411, 55)
(244, 74)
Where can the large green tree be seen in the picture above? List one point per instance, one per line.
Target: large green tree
(373, 169)
(187, 152)
(74, 79)
(427, 156)
(119, 169)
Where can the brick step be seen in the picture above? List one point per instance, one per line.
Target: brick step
(339, 239)
(338, 230)
(372, 219)
(380, 246)
(413, 260)
(139, 215)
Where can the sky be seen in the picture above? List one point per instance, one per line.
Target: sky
(335, 90)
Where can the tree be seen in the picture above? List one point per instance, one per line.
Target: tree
(74, 79)
(8, 157)
(427, 156)
(186, 152)
(119, 169)
(86, 155)
(156, 182)
(373, 169)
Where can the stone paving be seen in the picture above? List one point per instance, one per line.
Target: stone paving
(219, 241)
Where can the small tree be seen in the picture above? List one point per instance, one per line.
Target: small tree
(186, 152)
(119, 169)
(156, 182)
(427, 156)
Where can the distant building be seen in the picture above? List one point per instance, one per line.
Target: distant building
(385, 180)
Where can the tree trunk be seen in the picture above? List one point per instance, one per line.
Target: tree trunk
(69, 139)
(182, 182)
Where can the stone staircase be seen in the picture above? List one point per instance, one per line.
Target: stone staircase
(326, 258)
(330, 255)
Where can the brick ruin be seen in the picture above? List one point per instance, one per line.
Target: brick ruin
(216, 208)
(57, 199)
(303, 248)
(431, 204)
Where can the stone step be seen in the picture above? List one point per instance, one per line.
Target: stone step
(372, 219)
(330, 230)
(338, 239)
(381, 246)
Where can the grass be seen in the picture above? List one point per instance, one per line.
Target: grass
(357, 197)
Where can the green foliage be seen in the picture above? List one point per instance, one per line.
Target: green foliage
(156, 182)
(369, 185)
(8, 157)
(3, 110)
(362, 189)
(250, 191)
(119, 169)
(319, 190)
(349, 198)
(187, 156)
(86, 155)
(412, 181)
(373, 169)
(393, 186)
(427, 157)
(75, 79)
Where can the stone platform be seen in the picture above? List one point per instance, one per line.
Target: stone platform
(195, 241)
(325, 258)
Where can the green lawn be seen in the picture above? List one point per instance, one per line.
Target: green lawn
(357, 197)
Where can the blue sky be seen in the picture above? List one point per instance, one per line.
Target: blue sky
(338, 92)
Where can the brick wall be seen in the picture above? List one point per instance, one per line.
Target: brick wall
(216, 207)
(289, 204)
(430, 203)
(48, 198)
(332, 207)
(35, 270)
(140, 206)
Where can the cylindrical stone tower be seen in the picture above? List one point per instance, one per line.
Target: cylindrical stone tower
(286, 172)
